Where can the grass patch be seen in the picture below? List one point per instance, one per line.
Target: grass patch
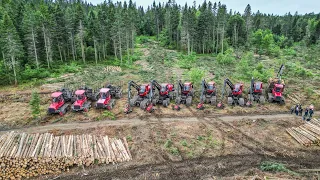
(109, 115)
(276, 167)
(168, 143)
(129, 138)
(184, 143)
(171, 149)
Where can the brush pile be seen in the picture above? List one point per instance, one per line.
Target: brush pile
(28, 155)
(307, 134)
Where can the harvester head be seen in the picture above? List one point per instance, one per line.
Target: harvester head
(200, 106)
(220, 105)
(176, 107)
(127, 109)
(249, 103)
(150, 108)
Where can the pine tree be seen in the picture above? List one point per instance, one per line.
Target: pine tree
(31, 27)
(247, 16)
(35, 104)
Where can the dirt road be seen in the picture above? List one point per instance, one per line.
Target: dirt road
(133, 122)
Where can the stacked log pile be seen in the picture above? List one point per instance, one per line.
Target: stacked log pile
(307, 134)
(28, 155)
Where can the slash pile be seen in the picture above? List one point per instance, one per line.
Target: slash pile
(28, 155)
(307, 134)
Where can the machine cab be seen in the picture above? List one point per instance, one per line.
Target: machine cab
(164, 88)
(211, 87)
(80, 95)
(104, 93)
(278, 89)
(57, 100)
(144, 89)
(257, 87)
(187, 87)
(237, 89)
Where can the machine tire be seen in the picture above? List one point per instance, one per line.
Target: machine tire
(230, 101)
(250, 97)
(178, 100)
(111, 104)
(262, 100)
(168, 100)
(270, 98)
(189, 101)
(207, 100)
(165, 103)
(214, 100)
(133, 101)
(282, 102)
(143, 104)
(241, 102)
(154, 102)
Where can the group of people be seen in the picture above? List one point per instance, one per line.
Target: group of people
(308, 112)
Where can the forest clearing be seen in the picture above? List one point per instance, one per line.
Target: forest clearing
(119, 91)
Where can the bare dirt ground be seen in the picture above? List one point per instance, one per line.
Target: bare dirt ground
(228, 147)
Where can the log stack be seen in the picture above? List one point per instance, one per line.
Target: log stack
(28, 155)
(307, 134)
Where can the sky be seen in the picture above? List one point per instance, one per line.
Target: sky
(279, 7)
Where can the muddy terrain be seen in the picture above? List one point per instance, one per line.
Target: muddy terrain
(228, 147)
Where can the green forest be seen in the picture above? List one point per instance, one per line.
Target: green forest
(41, 38)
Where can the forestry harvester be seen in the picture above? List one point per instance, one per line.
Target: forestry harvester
(166, 93)
(234, 95)
(107, 96)
(255, 93)
(105, 101)
(185, 93)
(276, 88)
(208, 94)
(143, 99)
(81, 102)
(59, 102)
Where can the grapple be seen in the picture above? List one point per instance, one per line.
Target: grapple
(150, 108)
(176, 107)
(127, 109)
(249, 104)
(200, 106)
(220, 105)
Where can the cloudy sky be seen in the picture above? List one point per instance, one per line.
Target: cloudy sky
(265, 6)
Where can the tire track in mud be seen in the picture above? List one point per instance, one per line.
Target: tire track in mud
(198, 168)
(155, 128)
(255, 146)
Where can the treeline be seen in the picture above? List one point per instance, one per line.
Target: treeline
(39, 35)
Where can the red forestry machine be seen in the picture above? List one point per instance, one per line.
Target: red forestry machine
(185, 94)
(59, 104)
(255, 93)
(81, 102)
(234, 95)
(143, 99)
(208, 94)
(107, 96)
(166, 93)
(276, 88)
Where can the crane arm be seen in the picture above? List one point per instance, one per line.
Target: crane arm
(204, 86)
(280, 72)
(229, 83)
(156, 84)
